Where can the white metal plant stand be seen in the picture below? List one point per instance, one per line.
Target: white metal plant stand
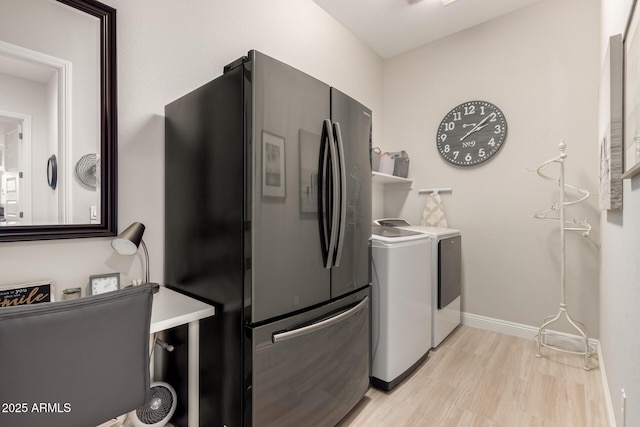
(557, 213)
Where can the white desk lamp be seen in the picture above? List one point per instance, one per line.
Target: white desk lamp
(128, 242)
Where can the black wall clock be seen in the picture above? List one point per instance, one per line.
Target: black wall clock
(471, 133)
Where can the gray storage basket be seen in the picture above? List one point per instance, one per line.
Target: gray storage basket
(401, 165)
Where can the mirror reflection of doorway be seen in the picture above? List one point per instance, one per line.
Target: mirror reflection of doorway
(12, 153)
(36, 88)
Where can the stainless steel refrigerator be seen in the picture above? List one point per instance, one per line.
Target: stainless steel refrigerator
(268, 217)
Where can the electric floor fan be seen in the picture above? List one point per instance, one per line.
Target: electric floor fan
(157, 410)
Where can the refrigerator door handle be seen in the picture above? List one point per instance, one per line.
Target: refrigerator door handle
(335, 208)
(342, 195)
(324, 203)
(294, 333)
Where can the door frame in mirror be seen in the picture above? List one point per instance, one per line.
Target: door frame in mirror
(108, 141)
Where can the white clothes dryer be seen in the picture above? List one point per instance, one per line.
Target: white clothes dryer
(401, 304)
(446, 273)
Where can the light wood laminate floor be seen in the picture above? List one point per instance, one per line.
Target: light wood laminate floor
(485, 379)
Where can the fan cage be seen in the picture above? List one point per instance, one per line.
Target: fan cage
(87, 170)
(158, 409)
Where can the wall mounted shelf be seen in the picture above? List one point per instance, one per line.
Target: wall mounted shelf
(383, 178)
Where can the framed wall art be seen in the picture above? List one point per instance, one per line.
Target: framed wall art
(632, 94)
(26, 293)
(611, 95)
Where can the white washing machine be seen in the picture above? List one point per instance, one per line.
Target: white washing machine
(446, 273)
(401, 304)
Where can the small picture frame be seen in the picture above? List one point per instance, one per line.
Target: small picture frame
(611, 142)
(27, 293)
(101, 283)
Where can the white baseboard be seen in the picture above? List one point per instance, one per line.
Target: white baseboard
(500, 326)
(529, 332)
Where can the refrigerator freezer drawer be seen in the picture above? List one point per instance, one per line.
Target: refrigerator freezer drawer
(312, 369)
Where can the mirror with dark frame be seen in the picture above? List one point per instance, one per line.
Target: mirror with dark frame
(58, 102)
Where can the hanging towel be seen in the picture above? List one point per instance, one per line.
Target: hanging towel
(433, 214)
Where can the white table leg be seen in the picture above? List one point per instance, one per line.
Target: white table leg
(193, 402)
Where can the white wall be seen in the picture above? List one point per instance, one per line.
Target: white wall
(620, 275)
(540, 66)
(166, 49)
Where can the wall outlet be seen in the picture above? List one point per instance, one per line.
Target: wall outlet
(623, 407)
(93, 215)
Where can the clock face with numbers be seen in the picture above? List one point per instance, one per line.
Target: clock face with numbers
(101, 283)
(471, 133)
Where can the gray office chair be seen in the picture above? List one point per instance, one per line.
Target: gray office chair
(75, 363)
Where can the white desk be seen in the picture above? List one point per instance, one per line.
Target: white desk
(171, 309)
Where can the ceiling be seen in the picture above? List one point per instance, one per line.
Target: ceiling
(391, 27)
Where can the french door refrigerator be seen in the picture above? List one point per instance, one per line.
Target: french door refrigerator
(268, 217)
